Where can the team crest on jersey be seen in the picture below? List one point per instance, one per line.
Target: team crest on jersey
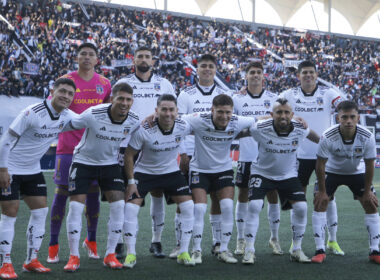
(319, 101)
(230, 132)
(267, 103)
(157, 86)
(99, 89)
(358, 150)
(126, 130)
(295, 142)
(178, 139)
(61, 125)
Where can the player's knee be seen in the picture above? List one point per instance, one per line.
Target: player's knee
(10, 208)
(199, 211)
(300, 208)
(131, 212)
(255, 206)
(187, 209)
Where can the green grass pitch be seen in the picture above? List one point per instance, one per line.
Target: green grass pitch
(352, 237)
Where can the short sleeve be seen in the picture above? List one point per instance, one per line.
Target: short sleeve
(323, 151)
(370, 148)
(82, 120)
(22, 122)
(137, 139)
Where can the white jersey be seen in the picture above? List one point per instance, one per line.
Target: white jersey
(102, 137)
(212, 146)
(37, 127)
(346, 158)
(159, 149)
(277, 159)
(252, 106)
(316, 109)
(197, 99)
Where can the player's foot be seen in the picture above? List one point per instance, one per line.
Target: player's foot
(240, 246)
(91, 249)
(333, 246)
(299, 256)
(215, 249)
(53, 254)
(174, 253)
(130, 261)
(156, 250)
(291, 248)
(111, 261)
(35, 266)
(197, 257)
(374, 256)
(120, 251)
(185, 259)
(226, 257)
(7, 271)
(249, 258)
(319, 256)
(73, 264)
(275, 245)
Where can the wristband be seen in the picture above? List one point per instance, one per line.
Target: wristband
(131, 181)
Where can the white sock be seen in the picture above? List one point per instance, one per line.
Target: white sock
(241, 210)
(131, 212)
(121, 241)
(215, 221)
(157, 212)
(7, 232)
(115, 225)
(199, 213)
(319, 229)
(299, 219)
(227, 223)
(252, 224)
(187, 223)
(177, 227)
(74, 226)
(35, 232)
(332, 220)
(372, 221)
(274, 219)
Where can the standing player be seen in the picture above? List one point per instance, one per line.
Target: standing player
(341, 152)
(315, 104)
(92, 89)
(21, 148)
(147, 87)
(278, 139)
(157, 168)
(95, 158)
(256, 102)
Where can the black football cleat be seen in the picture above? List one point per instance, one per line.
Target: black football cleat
(156, 250)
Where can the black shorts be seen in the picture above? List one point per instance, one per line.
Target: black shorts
(243, 173)
(305, 169)
(24, 185)
(288, 190)
(172, 184)
(212, 182)
(354, 182)
(81, 176)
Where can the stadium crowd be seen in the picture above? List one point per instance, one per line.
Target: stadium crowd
(52, 35)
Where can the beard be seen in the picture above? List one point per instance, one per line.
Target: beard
(143, 68)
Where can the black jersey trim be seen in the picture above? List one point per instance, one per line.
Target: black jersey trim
(51, 113)
(309, 94)
(255, 96)
(112, 120)
(205, 93)
(165, 132)
(283, 134)
(142, 81)
(349, 142)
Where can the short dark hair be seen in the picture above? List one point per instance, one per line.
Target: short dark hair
(87, 45)
(347, 105)
(143, 48)
(255, 64)
(208, 57)
(166, 97)
(64, 81)
(306, 63)
(121, 87)
(282, 101)
(222, 100)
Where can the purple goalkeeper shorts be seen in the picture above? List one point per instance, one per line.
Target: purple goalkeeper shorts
(62, 167)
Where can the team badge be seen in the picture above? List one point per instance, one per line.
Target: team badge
(295, 142)
(231, 132)
(126, 130)
(60, 125)
(157, 86)
(239, 178)
(72, 186)
(195, 178)
(178, 138)
(358, 150)
(267, 103)
(99, 89)
(319, 101)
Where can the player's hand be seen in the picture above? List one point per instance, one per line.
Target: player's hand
(369, 199)
(321, 200)
(5, 178)
(301, 120)
(131, 189)
(184, 164)
(149, 120)
(243, 90)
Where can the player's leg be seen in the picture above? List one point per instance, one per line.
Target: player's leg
(177, 231)
(216, 222)
(92, 215)
(273, 215)
(157, 213)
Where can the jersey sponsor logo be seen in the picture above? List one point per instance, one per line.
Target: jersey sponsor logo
(88, 101)
(216, 139)
(145, 95)
(280, 151)
(157, 86)
(46, 135)
(99, 89)
(308, 110)
(255, 113)
(167, 149)
(201, 110)
(109, 138)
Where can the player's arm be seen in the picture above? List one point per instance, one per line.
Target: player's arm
(131, 189)
(184, 161)
(313, 136)
(8, 140)
(80, 121)
(369, 197)
(321, 198)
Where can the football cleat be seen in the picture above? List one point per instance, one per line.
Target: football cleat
(333, 246)
(249, 258)
(215, 249)
(156, 250)
(73, 264)
(240, 246)
(319, 256)
(299, 256)
(174, 253)
(35, 266)
(53, 254)
(130, 261)
(226, 257)
(374, 256)
(7, 271)
(120, 251)
(91, 249)
(185, 259)
(111, 261)
(275, 245)
(197, 257)
(291, 248)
